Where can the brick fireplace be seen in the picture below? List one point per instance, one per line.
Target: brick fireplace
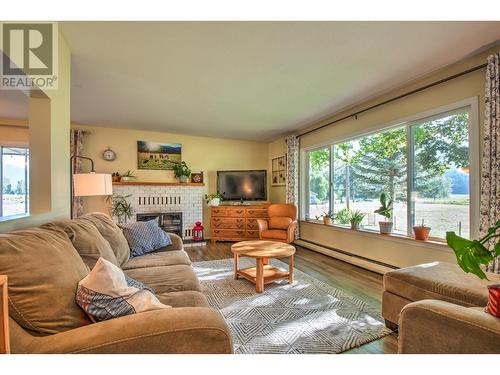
(149, 198)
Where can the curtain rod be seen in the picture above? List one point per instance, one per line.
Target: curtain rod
(355, 114)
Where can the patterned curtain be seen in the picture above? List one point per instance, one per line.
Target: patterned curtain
(490, 171)
(292, 173)
(76, 140)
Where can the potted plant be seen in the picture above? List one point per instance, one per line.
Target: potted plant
(328, 216)
(356, 217)
(182, 171)
(385, 210)
(121, 208)
(421, 232)
(343, 216)
(128, 176)
(214, 199)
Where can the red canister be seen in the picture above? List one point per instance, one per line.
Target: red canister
(494, 300)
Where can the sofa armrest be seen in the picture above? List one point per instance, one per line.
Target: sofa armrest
(177, 243)
(290, 232)
(432, 326)
(263, 225)
(176, 330)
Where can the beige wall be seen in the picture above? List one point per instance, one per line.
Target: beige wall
(275, 149)
(374, 246)
(52, 151)
(13, 135)
(200, 153)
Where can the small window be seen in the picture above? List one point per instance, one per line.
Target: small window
(14, 172)
(318, 201)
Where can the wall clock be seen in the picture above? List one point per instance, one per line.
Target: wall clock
(109, 154)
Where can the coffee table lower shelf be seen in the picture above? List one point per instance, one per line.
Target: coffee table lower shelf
(270, 274)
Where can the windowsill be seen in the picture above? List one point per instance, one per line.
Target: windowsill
(13, 217)
(433, 243)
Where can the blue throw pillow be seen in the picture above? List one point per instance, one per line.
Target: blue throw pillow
(145, 236)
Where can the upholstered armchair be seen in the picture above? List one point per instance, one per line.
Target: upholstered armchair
(281, 223)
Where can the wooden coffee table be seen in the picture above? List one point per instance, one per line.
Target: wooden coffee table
(263, 273)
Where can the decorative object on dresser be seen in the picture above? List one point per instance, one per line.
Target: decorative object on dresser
(4, 317)
(281, 223)
(197, 178)
(214, 200)
(152, 155)
(263, 273)
(278, 171)
(236, 223)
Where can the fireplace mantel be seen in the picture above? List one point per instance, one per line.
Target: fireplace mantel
(153, 183)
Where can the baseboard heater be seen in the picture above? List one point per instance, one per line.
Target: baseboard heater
(357, 260)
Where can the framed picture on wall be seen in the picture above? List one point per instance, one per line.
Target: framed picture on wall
(278, 171)
(152, 155)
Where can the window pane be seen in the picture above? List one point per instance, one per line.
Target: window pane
(14, 181)
(441, 174)
(378, 164)
(319, 182)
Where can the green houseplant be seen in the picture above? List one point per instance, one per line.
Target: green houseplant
(182, 171)
(214, 199)
(356, 217)
(343, 216)
(128, 176)
(385, 210)
(328, 216)
(471, 254)
(121, 208)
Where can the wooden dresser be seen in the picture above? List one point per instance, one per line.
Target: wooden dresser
(236, 223)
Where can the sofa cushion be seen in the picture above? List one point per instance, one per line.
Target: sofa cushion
(279, 222)
(145, 236)
(441, 281)
(167, 278)
(106, 293)
(163, 258)
(87, 240)
(112, 233)
(274, 234)
(44, 270)
(187, 298)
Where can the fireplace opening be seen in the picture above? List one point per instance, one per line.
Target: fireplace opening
(169, 221)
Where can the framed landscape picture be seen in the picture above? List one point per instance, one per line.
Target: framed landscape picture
(152, 155)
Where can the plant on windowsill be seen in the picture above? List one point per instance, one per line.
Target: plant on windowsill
(328, 216)
(385, 210)
(121, 208)
(421, 232)
(343, 217)
(214, 199)
(356, 217)
(128, 176)
(182, 171)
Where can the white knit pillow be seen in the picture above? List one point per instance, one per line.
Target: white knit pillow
(106, 293)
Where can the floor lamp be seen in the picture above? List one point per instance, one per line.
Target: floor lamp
(88, 184)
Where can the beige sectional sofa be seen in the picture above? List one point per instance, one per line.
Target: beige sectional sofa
(45, 264)
(440, 309)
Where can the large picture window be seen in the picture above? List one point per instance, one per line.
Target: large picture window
(422, 165)
(14, 171)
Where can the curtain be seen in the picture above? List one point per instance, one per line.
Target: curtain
(76, 140)
(490, 169)
(292, 173)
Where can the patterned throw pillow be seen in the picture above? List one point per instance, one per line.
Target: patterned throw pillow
(145, 236)
(107, 293)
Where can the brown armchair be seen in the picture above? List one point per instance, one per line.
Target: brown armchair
(281, 223)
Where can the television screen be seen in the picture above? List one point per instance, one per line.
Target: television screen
(246, 185)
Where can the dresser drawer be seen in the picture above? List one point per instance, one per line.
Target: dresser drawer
(228, 223)
(252, 233)
(251, 224)
(228, 233)
(256, 212)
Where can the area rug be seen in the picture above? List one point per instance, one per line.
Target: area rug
(308, 316)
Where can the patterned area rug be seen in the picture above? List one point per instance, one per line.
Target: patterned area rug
(308, 316)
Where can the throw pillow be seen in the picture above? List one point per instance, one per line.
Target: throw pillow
(107, 293)
(145, 236)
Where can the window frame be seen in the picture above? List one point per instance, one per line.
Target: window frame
(470, 104)
(26, 181)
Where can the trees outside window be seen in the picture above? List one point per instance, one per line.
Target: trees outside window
(14, 172)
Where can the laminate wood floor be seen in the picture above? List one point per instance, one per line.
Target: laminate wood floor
(356, 281)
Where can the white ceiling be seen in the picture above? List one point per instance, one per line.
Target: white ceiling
(249, 80)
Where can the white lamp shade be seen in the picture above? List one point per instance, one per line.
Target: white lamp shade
(88, 184)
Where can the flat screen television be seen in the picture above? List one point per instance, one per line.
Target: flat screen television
(243, 185)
